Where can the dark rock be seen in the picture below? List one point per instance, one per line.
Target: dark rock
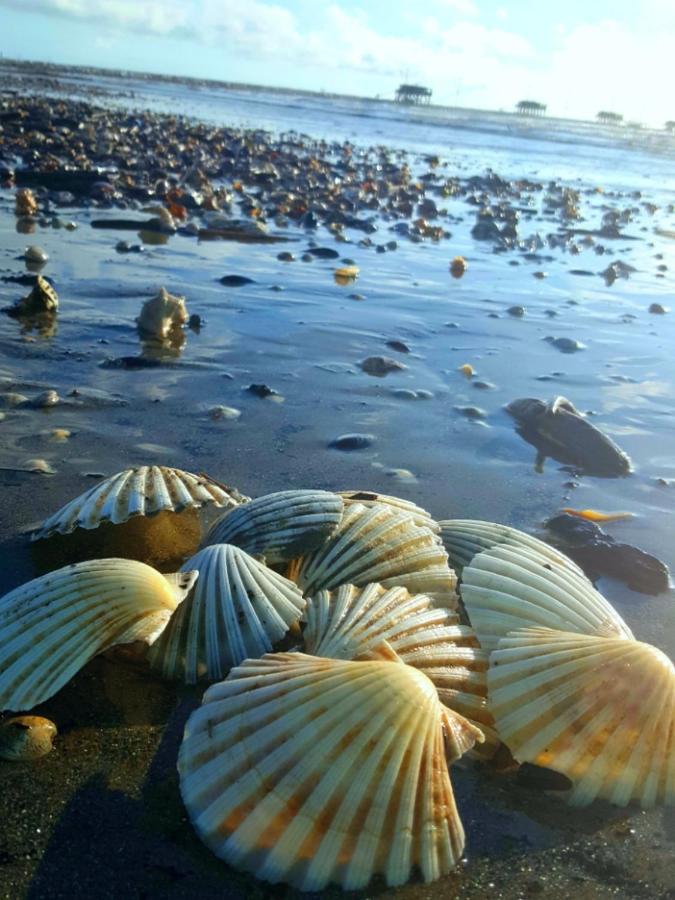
(236, 280)
(657, 309)
(399, 346)
(380, 365)
(352, 441)
(324, 252)
(565, 344)
(261, 390)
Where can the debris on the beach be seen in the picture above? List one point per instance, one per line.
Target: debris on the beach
(161, 315)
(53, 625)
(370, 702)
(595, 515)
(236, 280)
(26, 738)
(35, 255)
(467, 369)
(352, 441)
(280, 526)
(381, 365)
(598, 553)
(42, 300)
(25, 203)
(559, 430)
(458, 267)
(543, 683)
(11, 399)
(218, 413)
(238, 609)
(347, 273)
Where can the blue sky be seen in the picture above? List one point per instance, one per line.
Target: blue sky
(578, 57)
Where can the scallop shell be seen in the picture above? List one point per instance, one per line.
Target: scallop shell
(280, 526)
(238, 608)
(370, 498)
(464, 538)
(377, 544)
(53, 625)
(26, 737)
(312, 771)
(506, 588)
(374, 623)
(143, 491)
(601, 710)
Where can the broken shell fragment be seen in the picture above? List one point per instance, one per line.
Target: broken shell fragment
(26, 737)
(238, 609)
(161, 315)
(267, 772)
(280, 526)
(53, 625)
(142, 491)
(599, 710)
(374, 623)
(371, 498)
(378, 544)
(506, 588)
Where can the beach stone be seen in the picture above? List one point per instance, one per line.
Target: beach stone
(658, 309)
(565, 344)
(475, 413)
(379, 366)
(353, 441)
(236, 280)
(399, 346)
(262, 390)
(516, 311)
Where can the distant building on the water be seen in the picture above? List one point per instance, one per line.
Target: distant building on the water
(413, 93)
(531, 108)
(609, 118)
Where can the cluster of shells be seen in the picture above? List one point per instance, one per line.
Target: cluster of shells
(328, 761)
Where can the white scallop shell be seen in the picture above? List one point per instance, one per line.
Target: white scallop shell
(375, 623)
(506, 588)
(378, 544)
(143, 491)
(464, 538)
(370, 498)
(53, 625)
(600, 710)
(280, 526)
(238, 608)
(312, 771)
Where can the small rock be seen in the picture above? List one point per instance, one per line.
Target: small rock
(236, 280)
(399, 346)
(352, 441)
(285, 256)
(262, 390)
(516, 311)
(565, 344)
(474, 413)
(380, 365)
(218, 413)
(658, 309)
(324, 252)
(35, 255)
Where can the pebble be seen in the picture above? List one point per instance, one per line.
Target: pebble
(10, 400)
(285, 256)
(380, 365)
(45, 400)
(471, 412)
(400, 474)
(565, 344)
(658, 309)
(352, 441)
(35, 255)
(516, 311)
(223, 412)
(236, 280)
(399, 346)
(404, 394)
(357, 297)
(262, 390)
(26, 737)
(324, 252)
(484, 385)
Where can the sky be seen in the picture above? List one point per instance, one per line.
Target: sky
(576, 56)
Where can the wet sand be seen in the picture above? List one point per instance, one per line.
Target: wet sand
(102, 814)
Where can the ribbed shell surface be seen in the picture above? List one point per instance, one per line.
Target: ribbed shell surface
(280, 526)
(464, 538)
(398, 504)
(375, 623)
(239, 608)
(506, 588)
(600, 710)
(143, 491)
(378, 544)
(53, 625)
(312, 771)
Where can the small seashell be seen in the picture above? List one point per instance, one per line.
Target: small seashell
(374, 623)
(238, 609)
(268, 772)
(506, 588)
(143, 491)
(26, 737)
(25, 203)
(467, 370)
(371, 498)
(458, 267)
(378, 544)
(280, 526)
(219, 413)
(42, 300)
(162, 315)
(346, 273)
(53, 625)
(599, 710)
